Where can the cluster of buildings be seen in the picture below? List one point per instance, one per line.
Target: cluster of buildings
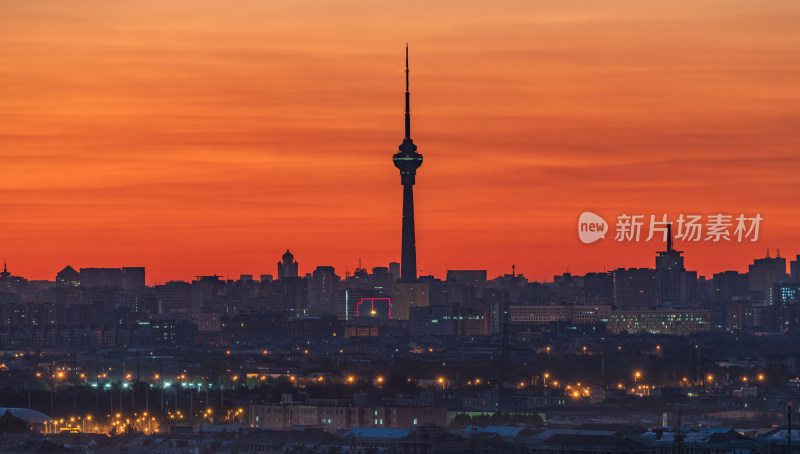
(114, 307)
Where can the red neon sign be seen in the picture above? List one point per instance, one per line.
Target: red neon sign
(371, 302)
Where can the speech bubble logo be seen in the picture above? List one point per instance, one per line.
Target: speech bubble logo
(591, 227)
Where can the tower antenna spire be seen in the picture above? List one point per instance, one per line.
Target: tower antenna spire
(408, 100)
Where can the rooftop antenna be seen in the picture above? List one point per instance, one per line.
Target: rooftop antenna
(669, 237)
(767, 252)
(513, 270)
(778, 253)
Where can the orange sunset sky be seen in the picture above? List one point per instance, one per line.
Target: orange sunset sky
(199, 137)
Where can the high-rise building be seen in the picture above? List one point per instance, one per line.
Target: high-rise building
(408, 161)
(635, 288)
(674, 282)
(394, 270)
(132, 277)
(174, 299)
(794, 266)
(127, 278)
(567, 288)
(406, 296)
(764, 273)
(730, 285)
(786, 292)
(68, 277)
(290, 296)
(207, 294)
(598, 288)
(322, 291)
(101, 277)
(382, 278)
(475, 279)
(287, 267)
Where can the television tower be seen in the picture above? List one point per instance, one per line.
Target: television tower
(408, 161)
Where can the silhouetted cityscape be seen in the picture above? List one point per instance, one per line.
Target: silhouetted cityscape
(346, 360)
(381, 360)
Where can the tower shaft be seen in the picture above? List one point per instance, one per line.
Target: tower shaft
(408, 260)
